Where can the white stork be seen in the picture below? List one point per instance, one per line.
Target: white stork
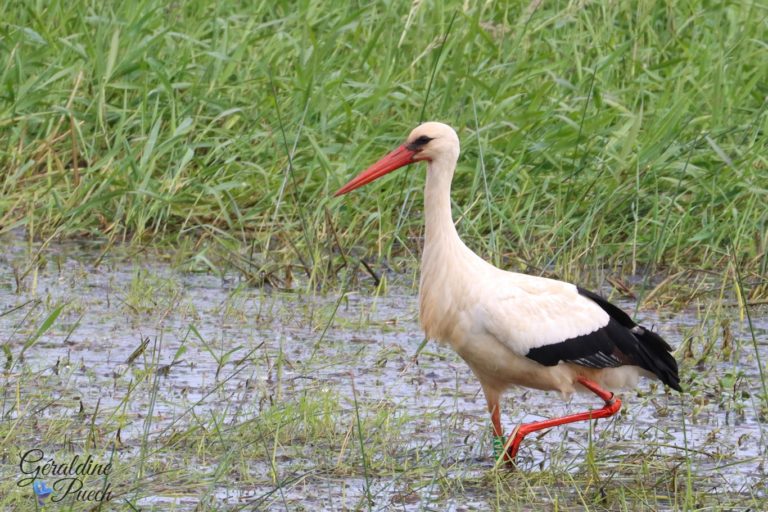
(510, 328)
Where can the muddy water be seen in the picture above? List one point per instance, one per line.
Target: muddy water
(238, 350)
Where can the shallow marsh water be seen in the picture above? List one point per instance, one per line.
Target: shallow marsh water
(249, 397)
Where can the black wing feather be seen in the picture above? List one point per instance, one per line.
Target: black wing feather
(621, 341)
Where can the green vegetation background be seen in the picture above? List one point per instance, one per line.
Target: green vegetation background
(600, 133)
(628, 136)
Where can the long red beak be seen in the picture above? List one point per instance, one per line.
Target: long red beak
(396, 159)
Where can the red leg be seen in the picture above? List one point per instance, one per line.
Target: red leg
(496, 420)
(612, 406)
(499, 440)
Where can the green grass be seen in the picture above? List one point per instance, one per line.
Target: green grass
(602, 135)
(624, 140)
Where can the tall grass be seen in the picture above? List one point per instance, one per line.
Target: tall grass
(598, 133)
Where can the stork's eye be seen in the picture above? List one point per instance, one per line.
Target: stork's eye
(419, 143)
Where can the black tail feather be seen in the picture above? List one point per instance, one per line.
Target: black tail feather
(656, 355)
(651, 351)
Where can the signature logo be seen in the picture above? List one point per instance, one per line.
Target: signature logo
(66, 477)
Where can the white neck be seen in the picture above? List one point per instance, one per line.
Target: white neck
(446, 262)
(438, 221)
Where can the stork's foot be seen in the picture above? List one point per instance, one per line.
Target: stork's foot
(611, 407)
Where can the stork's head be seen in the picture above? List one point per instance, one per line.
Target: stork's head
(432, 141)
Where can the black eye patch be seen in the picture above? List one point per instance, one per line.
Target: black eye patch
(419, 143)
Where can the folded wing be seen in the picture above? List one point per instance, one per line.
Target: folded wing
(551, 321)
